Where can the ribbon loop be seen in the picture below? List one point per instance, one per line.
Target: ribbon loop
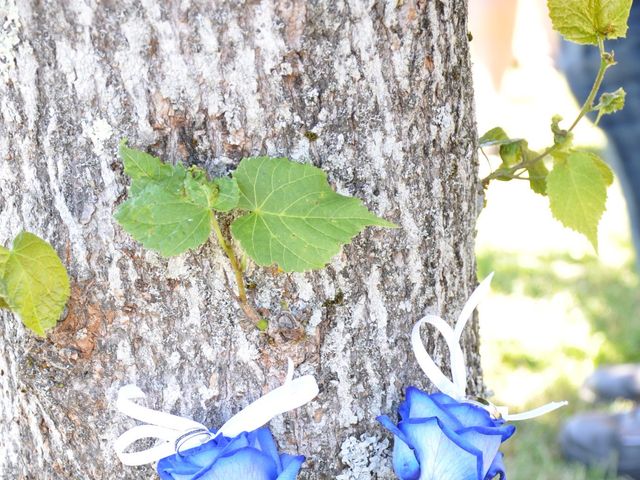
(456, 388)
(178, 433)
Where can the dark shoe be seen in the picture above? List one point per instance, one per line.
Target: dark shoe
(607, 441)
(616, 381)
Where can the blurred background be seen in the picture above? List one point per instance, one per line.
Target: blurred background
(557, 310)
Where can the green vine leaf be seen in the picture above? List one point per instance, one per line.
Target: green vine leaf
(169, 207)
(512, 152)
(294, 220)
(577, 193)
(495, 136)
(4, 256)
(587, 21)
(144, 169)
(538, 173)
(228, 194)
(605, 169)
(168, 221)
(611, 102)
(34, 282)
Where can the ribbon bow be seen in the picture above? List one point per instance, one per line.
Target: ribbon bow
(457, 387)
(178, 432)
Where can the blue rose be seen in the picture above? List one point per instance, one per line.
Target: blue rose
(249, 456)
(440, 438)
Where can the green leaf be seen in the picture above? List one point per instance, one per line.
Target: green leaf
(4, 256)
(511, 152)
(611, 102)
(577, 194)
(538, 177)
(605, 169)
(228, 194)
(169, 206)
(262, 325)
(3, 302)
(144, 168)
(35, 283)
(168, 221)
(294, 219)
(586, 21)
(495, 136)
(562, 139)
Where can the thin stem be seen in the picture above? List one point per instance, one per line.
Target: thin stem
(242, 294)
(588, 104)
(605, 63)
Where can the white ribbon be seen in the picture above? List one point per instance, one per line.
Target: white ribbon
(177, 432)
(457, 387)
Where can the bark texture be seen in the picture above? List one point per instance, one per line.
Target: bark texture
(377, 93)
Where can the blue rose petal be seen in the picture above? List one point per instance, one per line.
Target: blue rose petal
(441, 438)
(497, 468)
(246, 463)
(249, 456)
(405, 463)
(441, 453)
(291, 465)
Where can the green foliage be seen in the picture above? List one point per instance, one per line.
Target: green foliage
(495, 136)
(33, 282)
(577, 193)
(292, 217)
(589, 21)
(512, 152)
(538, 173)
(294, 220)
(262, 325)
(228, 194)
(562, 139)
(611, 102)
(576, 186)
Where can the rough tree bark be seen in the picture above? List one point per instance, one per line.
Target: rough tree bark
(377, 93)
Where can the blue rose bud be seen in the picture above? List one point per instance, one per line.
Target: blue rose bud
(249, 456)
(440, 438)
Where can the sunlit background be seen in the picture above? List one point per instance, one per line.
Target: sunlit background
(557, 310)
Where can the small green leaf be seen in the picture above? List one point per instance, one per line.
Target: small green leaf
(586, 21)
(511, 153)
(262, 324)
(167, 221)
(562, 139)
(228, 194)
(294, 219)
(169, 206)
(495, 136)
(611, 102)
(144, 169)
(538, 177)
(35, 284)
(577, 194)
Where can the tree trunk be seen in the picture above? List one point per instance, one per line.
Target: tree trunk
(378, 94)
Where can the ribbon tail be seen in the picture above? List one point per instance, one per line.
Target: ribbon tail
(291, 395)
(536, 412)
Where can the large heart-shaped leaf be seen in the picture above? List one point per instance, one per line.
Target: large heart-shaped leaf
(294, 220)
